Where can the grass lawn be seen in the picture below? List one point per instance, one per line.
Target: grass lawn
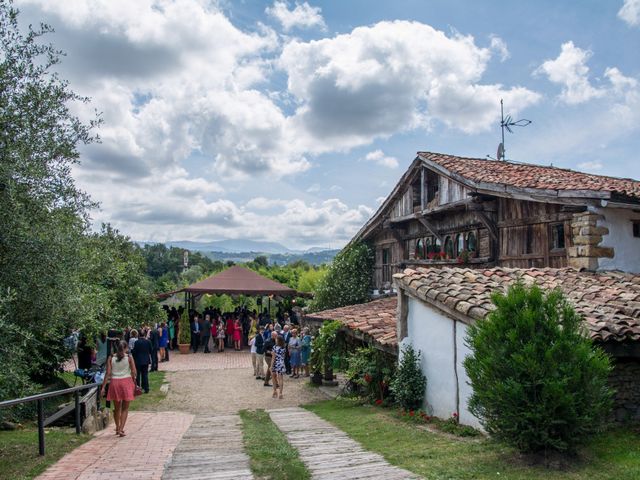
(271, 455)
(19, 457)
(612, 455)
(144, 401)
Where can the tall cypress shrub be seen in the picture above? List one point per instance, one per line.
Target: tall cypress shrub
(538, 382)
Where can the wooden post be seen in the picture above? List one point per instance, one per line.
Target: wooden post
(41, 427)
(76, 398)
(422, 189)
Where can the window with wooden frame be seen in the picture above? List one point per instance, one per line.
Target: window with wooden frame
(459, 246)
(428, 246)
(472, 243)
(437, 246)
(419, 251)
(448, 247)
(386, 264)
(557, 236)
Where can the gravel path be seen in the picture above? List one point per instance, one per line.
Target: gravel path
(230, 390)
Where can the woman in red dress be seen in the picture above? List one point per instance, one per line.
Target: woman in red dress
(237, 334)
(229, 332)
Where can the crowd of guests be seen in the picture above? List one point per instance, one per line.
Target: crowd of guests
(283, 351)
(278, 348)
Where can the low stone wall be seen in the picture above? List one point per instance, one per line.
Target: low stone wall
(94, 419)
(625, 379)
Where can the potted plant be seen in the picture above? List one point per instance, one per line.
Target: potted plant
(184, 333)
(322, 350)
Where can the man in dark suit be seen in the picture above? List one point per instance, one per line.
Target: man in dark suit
(206, 332)
(195, 333)
(154, 339)
(142, 356)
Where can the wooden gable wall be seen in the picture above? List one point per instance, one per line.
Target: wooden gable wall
(523, 230)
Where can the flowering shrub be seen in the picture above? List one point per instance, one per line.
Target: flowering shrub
(416, 416)
(538, 382)
(451, 425)
(436, 255)
(409, 383)
(348, 280)
(369, 373)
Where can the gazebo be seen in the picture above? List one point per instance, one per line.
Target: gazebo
(234, 281)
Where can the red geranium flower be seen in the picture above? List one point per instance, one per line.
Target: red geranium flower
(454, 414)
(411, 413)
(367, 378)
(378, 402)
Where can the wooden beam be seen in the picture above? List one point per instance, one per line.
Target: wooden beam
(429, 226)
(398, 235)
(491, 226)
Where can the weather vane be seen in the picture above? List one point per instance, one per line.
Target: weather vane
(507, 122)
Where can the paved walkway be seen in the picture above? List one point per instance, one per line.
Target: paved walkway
(198, 390)
(328, 452)
(142, 454)
(194, 433)
(228, 359)
(211, 449)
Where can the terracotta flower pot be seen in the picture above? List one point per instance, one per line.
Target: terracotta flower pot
(184, 348)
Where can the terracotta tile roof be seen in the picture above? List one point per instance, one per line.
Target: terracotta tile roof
(524, 175)
(375, 319)
(608, 301)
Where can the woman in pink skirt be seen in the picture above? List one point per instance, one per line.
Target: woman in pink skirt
(121, 377)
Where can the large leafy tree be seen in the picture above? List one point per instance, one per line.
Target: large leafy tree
(348, 280)
(114, 281)
(55, 277)
(43, 215)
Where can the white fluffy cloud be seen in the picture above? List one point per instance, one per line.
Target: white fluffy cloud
(167, 211)
(378, 156)
(500, 47)
(570, 70)
(194, 108)
(608, 114)
(172, 77)
(630, 12)
(302, 16)
(390, 77)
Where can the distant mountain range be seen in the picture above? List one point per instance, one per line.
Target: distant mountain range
(236, 246)
(246, 250)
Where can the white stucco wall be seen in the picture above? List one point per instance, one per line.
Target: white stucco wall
(432, 333)
(626, 247)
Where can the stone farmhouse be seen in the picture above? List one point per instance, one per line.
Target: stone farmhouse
(455, 229)
(489, 213)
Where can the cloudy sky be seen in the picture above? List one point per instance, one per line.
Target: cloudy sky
(290, 121)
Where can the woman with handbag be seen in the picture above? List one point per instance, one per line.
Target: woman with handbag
(121, 377)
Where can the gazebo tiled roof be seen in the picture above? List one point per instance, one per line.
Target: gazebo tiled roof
(608, 301)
